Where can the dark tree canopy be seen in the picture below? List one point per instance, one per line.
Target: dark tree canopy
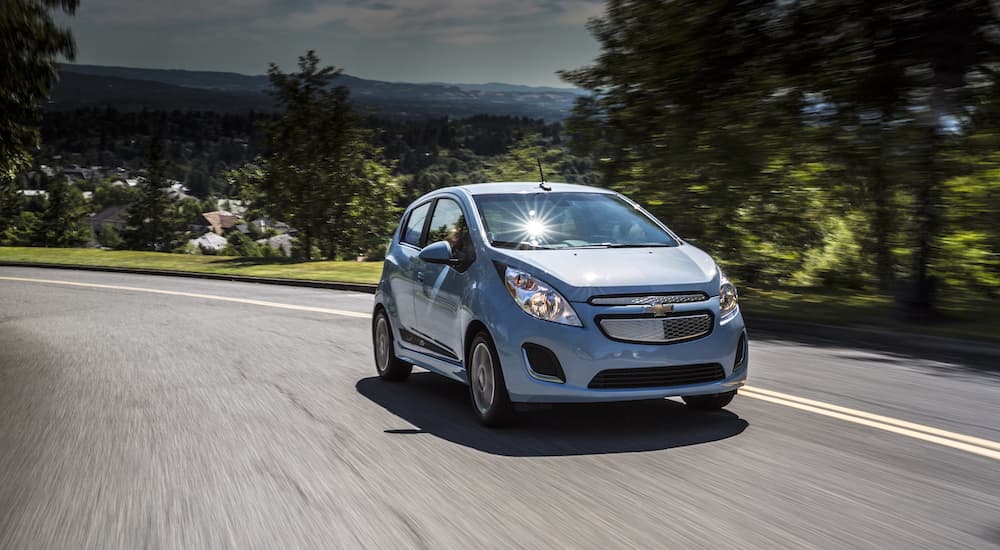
(769, 128)
(30, 43)
(153, 221)
(323, 175)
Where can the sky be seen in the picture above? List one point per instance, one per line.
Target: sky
(461, 41)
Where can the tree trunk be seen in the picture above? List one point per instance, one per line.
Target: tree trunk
(307, 242)
(881, 224)
(919, 302)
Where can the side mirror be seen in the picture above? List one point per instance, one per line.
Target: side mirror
(438, 253)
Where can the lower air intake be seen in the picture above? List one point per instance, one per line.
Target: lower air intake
(657, 377)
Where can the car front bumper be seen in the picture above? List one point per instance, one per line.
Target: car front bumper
(583, 352)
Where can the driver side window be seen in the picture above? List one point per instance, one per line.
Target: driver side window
(448, 224)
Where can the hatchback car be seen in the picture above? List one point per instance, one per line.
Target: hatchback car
(554, 293)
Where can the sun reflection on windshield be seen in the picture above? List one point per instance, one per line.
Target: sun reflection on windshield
(535, 229)
(535, 225)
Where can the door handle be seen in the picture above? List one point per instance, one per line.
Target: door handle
(420, 277)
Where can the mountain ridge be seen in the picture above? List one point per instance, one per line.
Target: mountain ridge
(133, 88)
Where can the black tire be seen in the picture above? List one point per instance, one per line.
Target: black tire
(487, 387)
(713, 402)
(388, 366)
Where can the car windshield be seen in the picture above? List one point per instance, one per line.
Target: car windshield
(551, 220)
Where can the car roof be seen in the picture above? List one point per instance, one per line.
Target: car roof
(512, 187)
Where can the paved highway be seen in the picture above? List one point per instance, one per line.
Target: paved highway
(182, 413)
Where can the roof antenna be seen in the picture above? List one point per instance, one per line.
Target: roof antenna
(541, 175)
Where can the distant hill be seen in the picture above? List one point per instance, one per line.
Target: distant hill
(79, 90)
(501, 87)
(135, 88)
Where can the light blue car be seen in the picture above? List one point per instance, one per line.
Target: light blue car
(555, 293)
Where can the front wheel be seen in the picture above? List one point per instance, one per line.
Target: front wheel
(389, 366)
(712, 402)
(487, 387)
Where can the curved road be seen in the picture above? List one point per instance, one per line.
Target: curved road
(206, 414)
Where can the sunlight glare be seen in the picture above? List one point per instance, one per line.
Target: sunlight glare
(535, 228)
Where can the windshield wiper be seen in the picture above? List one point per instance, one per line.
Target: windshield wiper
(519, 245)
(638, 245)
(623, 245)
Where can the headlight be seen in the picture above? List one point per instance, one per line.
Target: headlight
(538, 299)
(728, 297)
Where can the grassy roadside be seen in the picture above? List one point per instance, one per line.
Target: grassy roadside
(833, 307)
(861, 308)
(344, 272)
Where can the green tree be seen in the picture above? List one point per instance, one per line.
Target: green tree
(21, 231)
(109, 237)
(696, 128)
(152, 222)
(106, 195)
(731, 118)
(11, 203)
(64, 223)
(903, 83)
(322, 164)
(30, 42)
(242, 245)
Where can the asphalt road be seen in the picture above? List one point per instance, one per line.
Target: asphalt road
(162, 420)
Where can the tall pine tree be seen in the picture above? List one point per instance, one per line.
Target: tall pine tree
(152, 222)
(322, 163)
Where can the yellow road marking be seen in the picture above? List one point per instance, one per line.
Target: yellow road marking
(974, 445)
(884, 419)
(340, 312)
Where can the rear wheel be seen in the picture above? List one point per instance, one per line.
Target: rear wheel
(487, 387)
(389, 366)
(712, 402)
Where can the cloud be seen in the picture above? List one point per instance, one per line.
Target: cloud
(580, 12)
(444, 21)
(156, 12)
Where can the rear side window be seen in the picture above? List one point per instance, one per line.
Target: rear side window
(415, 225)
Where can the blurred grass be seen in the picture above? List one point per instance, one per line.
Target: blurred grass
(347, 272)
(852, 308)
(960, 318)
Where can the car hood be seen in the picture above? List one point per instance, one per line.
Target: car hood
(581, 273)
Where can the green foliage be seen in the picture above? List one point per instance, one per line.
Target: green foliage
(818, 150)
(63, 222)
(108, 237)
(322, 167)
(30, 42)
(106, 194)
(242, 245)
(197, 146)
(11, 204)
(21, 230)
(154, 220)
(837, 261)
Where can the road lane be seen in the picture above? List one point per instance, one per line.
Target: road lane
(142, 420)
(183, 294)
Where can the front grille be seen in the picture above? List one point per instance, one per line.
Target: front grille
(657, 330)
(650, 300)
(657, 377)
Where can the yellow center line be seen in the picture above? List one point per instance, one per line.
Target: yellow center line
(974, 445)
(328, 311)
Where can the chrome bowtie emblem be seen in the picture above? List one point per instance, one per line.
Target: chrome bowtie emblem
(659, 310)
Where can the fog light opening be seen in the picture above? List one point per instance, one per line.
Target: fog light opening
(741, 353)
(543, 364)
